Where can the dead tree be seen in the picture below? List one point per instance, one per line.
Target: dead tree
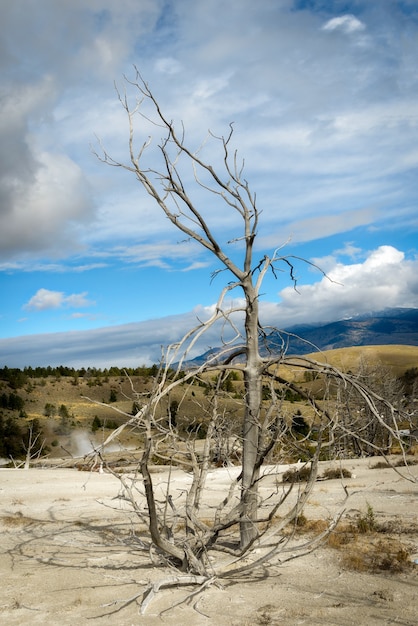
(179, 532)
(166, 186)
(357, 432)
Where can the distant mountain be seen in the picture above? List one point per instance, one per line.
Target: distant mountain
(387, 327)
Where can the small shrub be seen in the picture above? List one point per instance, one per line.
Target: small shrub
(336, 472)
(406, 462)
(16, 519)
(388, 555)
(380, 465)
(305, 526)
(297, 475)
(301, 521)
(400, 463)
(96, 424)
(367, 522)
(391, 556)
(299, 424)
(364, 549)
(341, 536)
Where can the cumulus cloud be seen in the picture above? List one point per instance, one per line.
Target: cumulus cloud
(45, 299)
(45, 197)
(349, 290)
(43, 194)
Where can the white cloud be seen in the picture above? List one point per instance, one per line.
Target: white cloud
(45, 299)
(88, 316)
(346, 23)
(304, 105)
(76, 300)
(168, 65)
(50, 267)
(162, 254)
(43, 194)
(319, 226)
(384, 279)
(361, 288)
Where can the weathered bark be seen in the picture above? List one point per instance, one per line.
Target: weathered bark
(156, 536)
(251, 422)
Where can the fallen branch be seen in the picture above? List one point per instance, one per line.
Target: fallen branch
(175, 581)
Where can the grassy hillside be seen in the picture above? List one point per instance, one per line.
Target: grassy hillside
(69, 409)
(76, 412)
(397, 358)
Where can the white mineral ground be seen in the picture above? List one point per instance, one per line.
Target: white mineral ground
(66, 557)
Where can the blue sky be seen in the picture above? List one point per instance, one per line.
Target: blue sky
(324, 100)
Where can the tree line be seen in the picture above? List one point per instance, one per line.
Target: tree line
(17, 378)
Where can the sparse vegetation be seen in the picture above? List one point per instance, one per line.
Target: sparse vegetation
(365, 544)
(297, 475)
(390, 463)
(367, 522)
(16, 519)
(336, 472)
(364, 548)
(96, 424)
(374, 554)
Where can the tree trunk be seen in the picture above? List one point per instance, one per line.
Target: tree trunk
(251, 424)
